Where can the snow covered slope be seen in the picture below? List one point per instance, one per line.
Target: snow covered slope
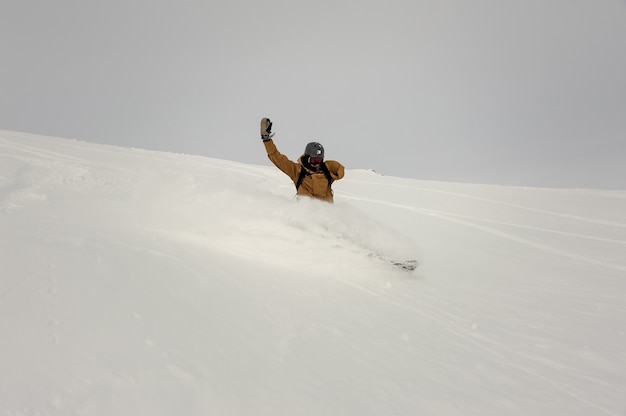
(145, 283)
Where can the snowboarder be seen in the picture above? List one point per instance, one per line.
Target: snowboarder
(312, 175)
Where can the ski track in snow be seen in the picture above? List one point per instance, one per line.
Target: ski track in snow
(505, 204)
(467, 221)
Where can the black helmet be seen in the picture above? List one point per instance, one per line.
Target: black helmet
(314, 149)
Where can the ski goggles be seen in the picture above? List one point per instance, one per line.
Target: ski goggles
(315, 160)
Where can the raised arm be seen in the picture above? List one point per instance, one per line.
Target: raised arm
(281, 161)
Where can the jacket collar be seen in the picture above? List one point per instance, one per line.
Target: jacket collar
(307, 166)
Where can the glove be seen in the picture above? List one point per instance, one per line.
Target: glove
(266, 129)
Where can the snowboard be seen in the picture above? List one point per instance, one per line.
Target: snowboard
(405, 265)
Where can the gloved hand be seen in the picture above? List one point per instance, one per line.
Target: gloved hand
(266, 129)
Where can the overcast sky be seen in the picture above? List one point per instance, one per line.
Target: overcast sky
(523, 92)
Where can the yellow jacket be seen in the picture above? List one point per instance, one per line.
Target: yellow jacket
(314, 183)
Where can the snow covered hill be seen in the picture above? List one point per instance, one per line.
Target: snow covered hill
(144, 283)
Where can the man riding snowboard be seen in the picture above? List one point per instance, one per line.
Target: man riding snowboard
(312, 175)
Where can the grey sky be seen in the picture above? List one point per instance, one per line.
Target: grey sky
(526, 92)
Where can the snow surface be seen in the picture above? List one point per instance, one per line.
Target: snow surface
(137, 282)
